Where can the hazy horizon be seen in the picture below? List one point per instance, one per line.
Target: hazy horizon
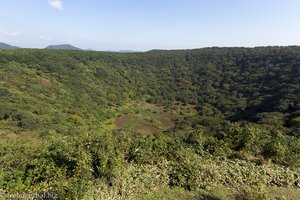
(145, 25)
(133, 50)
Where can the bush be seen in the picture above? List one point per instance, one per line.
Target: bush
(252, 193)
(24, 119)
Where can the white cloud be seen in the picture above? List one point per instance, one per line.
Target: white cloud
(56, 4)
(10, 33)
(45, 38)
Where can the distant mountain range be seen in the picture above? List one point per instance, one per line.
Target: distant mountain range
(126, 51)
(7, 46)
(63, 46)
(60, 46)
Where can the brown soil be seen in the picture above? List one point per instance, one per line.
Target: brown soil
(122, 121)
(145, 128)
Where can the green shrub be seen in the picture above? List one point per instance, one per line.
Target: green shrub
(251, 193)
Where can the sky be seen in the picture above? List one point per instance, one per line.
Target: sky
(149, 24)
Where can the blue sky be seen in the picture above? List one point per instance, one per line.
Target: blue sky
(149, 24)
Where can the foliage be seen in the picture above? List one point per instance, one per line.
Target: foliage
(215, 117)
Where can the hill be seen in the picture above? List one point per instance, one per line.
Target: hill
(96, 122)
(63, 46)
(7, 46)
(233, 84)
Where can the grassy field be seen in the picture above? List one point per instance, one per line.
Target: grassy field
(145, 118)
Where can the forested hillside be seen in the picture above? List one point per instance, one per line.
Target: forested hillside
(85, 124)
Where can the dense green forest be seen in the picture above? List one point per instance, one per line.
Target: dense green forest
(193, 123)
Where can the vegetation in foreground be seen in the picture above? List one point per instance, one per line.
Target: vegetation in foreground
(216, 123)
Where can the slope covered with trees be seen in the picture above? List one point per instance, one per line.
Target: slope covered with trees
(94, 121)
(7, 46)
